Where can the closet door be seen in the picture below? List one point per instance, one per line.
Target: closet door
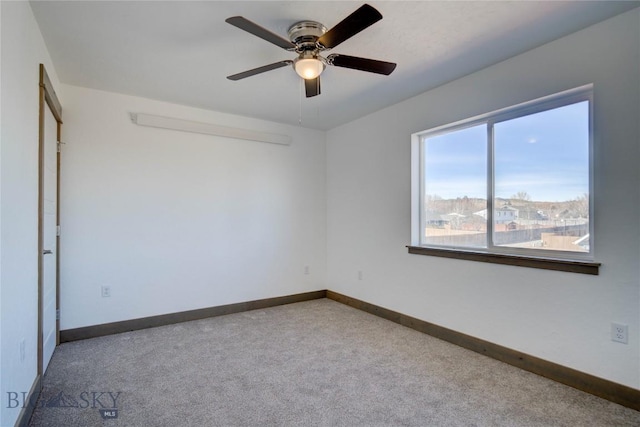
(48, 222)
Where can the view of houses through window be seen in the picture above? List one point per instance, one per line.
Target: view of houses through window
(519, 222)
(515, 180)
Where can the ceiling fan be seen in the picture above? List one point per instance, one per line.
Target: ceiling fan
(309, 39)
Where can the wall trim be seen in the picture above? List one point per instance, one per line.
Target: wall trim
(30, 404)
(184, 316)
(609, 390)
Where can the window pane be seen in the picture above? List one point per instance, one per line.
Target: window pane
(455, 188)
(541, 197)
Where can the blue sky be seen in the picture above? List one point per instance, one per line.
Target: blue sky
(544, 154)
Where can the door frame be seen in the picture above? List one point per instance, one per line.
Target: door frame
(48, 98)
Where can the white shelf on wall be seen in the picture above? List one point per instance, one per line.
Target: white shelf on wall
(150, 120)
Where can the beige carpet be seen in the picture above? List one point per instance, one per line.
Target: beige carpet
(316, 363)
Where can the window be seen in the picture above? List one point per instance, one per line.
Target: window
(515, 182)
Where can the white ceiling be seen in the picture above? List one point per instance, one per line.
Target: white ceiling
(182, 51)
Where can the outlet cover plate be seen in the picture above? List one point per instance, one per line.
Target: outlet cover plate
(106, 291)
(620, 333)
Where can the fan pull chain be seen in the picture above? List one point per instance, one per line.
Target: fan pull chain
(300, 103)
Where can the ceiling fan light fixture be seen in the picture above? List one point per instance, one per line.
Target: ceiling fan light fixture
(308, 68)
(309, 39)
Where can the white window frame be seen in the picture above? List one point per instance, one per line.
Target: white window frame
(572, 96)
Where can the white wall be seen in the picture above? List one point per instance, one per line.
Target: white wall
(557, 316)
(22, 51)
(176, 221)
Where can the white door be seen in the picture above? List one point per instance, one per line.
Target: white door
(49, 225)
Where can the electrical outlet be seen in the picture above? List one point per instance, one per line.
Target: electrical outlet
(620, 333)
(23, 351)
(106, 291)
(359, 274)
(306, 270)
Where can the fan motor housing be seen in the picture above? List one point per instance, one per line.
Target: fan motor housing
(305, 33)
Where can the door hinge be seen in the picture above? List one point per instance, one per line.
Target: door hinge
(59, 144)
(57, 314)
(58, 231)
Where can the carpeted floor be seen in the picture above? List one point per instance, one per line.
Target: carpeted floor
(316, 363)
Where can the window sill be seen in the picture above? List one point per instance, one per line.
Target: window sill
(572, 266)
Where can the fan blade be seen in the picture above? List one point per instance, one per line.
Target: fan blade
(362, 64)
(362, 18)
(259, 70)
(257, 30)
(312, 87)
